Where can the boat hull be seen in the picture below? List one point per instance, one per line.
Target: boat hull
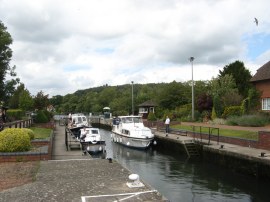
(139, 143)
(93, 147)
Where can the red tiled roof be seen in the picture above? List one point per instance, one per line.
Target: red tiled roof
(263, 73)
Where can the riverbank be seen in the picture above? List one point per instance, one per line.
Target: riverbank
(73, 177)
(246, 160)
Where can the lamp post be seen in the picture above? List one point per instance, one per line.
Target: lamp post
(132, 97)
(192, 88)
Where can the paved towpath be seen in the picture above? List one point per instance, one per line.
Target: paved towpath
(73, 177)
(230, 149)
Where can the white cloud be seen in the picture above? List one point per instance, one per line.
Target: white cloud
(63, 45)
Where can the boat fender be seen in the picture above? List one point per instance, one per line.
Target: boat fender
(155, 142)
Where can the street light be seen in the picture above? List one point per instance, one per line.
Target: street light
(191, 60)
(132, 97)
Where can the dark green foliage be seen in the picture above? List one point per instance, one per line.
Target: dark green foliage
(15, 114)
(48, 114)
(41, 117)
(232, 111)
(14, 140)
(253, 99)
(218, 106)
(41, 101)
(248, 120)
(151, 117)
(213, 114)
(240, 74)
(7, 87)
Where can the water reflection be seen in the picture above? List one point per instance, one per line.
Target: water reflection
(181, 179)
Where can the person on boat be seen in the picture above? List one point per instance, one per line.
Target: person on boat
(167, 125)
(83, 135)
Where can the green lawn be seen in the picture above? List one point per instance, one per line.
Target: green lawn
(41, 133)
(251, 135)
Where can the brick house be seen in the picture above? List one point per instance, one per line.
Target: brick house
(146, 107)
(261, 80)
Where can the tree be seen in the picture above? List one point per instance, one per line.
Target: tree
(220, 88)
(14, 100)
(240, 74)
(26, 101)
(41, 101)
(171, 96)
(6, 86)
(204, 102)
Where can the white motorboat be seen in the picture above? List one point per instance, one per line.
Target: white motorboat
(91, 140)
(78, 120)
(131, 132)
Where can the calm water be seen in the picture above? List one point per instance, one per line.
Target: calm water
(182, 180)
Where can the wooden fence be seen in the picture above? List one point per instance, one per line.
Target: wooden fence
(19, 124)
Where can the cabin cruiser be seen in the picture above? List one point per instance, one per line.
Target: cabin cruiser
(91, 141)
(89, 137)
(131, 132)
(78, 120)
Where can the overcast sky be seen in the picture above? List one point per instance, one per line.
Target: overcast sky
(60, 46)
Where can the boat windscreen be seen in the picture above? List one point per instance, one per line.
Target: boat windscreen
(94, 131)
(137, 120)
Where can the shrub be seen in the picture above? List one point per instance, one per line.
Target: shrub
(30, 133)
(213, 114)
(14, 140)
(232, 111)
(41, 117)
(248, 120)
(151, 117)
(15, 114)
(218, 121)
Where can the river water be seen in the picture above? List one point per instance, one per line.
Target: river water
(180, 179)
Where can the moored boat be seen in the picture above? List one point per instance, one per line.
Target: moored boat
(131, 132)
(88, 137)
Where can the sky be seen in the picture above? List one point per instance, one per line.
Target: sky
(61, 46)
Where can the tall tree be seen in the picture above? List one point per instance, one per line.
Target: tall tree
(220, 88)
(41, 101)
(26, 101)
(240, 74)
(14, 100)
(6, 86)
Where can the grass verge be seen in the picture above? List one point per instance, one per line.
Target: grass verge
(250, 135)
(41, 133)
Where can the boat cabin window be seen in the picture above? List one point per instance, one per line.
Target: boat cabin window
(131, 120)
(125, 132)
(94, 131)
(137, 120)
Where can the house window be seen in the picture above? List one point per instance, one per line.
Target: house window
(266, 104)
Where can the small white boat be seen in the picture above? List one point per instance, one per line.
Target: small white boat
(91, 140)
(88, 137)
(78, 120)
(131, 132)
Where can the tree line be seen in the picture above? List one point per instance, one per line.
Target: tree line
(231, 88)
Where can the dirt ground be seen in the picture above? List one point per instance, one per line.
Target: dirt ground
(13, 174)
